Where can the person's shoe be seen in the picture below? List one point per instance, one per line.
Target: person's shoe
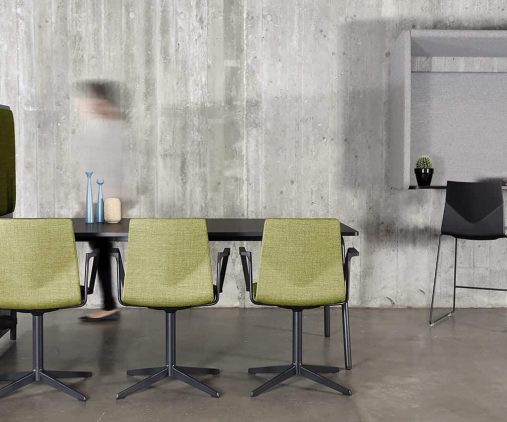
(102, 315)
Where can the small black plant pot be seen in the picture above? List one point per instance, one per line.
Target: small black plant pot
(423, 176)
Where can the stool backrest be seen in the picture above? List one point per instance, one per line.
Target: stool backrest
(474, 210)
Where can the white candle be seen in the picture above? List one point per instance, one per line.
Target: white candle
(112, 210)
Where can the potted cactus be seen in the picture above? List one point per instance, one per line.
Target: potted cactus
(423, 170)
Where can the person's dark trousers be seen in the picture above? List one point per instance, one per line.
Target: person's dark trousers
(104, 272)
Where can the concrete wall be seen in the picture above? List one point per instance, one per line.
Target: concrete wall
(244, 108)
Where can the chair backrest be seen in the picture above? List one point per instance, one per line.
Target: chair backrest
(38, 264)
(301, 263)
(168, 264)
(474, 210)
(7, 162)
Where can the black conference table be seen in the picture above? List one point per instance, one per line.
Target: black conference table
(219, 229)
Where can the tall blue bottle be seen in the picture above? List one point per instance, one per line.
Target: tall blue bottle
(100, 202)
(89, 199)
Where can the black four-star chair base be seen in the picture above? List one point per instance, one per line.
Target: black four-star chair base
(20, 379)
(170, 369)
(288, 371)
(38, 373)
(297, 368)
(180, 373)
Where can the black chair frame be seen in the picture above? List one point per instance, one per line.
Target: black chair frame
(38, 373)
(297, 367)
(170, 369)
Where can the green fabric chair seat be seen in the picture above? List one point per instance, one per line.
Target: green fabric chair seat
(38, 264)
(169, 264)
(301, 263)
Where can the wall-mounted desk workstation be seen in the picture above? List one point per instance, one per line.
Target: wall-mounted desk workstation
(448, 99)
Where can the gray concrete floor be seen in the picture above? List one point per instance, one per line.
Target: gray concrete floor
(403, 370)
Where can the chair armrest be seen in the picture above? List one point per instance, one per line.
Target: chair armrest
(89, 281)
(223, 259)
(246, 261)
(351, 253)
(120, 273)
(245, 256)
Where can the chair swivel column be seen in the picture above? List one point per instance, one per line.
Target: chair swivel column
(170, 351)
(38, 346)
(297, 340)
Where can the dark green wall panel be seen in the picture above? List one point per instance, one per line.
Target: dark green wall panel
(7, 162)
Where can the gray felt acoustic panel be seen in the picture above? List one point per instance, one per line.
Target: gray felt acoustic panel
(459, 118)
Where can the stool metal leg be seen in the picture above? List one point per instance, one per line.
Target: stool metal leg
(432, 321)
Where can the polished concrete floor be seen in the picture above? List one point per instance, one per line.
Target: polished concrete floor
(403, 370)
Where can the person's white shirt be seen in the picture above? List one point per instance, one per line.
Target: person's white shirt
(100, 145)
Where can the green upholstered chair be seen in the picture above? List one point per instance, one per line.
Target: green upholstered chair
(302, 266)
(39, 274)
(169, 268)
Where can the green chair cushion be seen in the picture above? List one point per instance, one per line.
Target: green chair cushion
(168, 264)
(301, 263)
(7, 162)
(38, 264)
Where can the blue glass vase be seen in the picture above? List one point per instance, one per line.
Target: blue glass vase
(100, 202)
(89, 199)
